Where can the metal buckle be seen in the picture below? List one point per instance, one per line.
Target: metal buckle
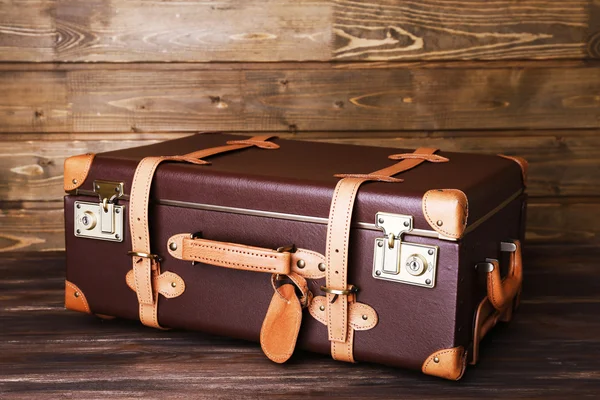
(144, 255)
(287, 249)
(336, 292)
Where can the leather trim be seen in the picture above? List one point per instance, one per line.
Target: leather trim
(75, 299)
(446, 363)
(523, 164)
(169, 284)
(76, 170)
(446, 211)
(281, 326)
(356, 311)
(435, 158)
(311, 260)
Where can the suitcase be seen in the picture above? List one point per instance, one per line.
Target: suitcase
(399, 257)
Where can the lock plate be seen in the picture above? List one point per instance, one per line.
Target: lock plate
(398, 261)
(93, 222)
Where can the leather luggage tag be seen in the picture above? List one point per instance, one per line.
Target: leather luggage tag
(281, 326)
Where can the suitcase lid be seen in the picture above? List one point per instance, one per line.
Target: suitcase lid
(298, 178)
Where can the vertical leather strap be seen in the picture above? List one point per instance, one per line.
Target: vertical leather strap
(145, 265)
(338, 238)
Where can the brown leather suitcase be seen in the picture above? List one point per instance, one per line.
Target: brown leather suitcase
(400, 257)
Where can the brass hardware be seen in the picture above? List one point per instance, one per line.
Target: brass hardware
(398, 261)
(301, 264)
(93, 221)
(105, 204)
(336, 292)
(365, 317)
(436, 360)
(74, 181)
(76, 294)
(287, 249)
(173, 246)
(322, 308)
(322, 267)
(439, 222)
(143, 255)
(173, 284)
(108, 189)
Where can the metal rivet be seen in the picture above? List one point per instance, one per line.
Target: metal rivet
(439, 222)
(117, 211)
(78, 231)
(78, 205)
(322, 267)
(322, 308)
(74, 181)
(430, 252)
(173, 246)
(436, 360)
(406, 223)
(380, 244)
(173, 284)
(365, 317)
(76, 294)
(381, 221)
(301, 264)
(377, 273)
(117, 236)
(97, 187)
(428, 281)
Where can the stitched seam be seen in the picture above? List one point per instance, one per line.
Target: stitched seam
(75, 288)
(307, 274)
(367, 310)
(233, 250)
(208, 259)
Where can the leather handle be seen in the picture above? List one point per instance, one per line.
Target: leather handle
(229, 255)
(502, 292)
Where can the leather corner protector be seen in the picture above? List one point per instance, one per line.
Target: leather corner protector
(175, 245)
(306, 264)
(75, 299)
(361, 317)
(446, 363)
(76, 169)
(446, 211)
(523, 164)
(169, 284)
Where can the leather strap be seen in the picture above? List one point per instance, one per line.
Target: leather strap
(146, 267)
(338, 237)
(305, 263)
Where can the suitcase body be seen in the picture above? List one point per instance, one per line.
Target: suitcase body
(423, 252)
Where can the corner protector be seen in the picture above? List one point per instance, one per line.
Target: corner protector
(523, 164)
(75, 299)
(446, 363)
(76, 169)
(446, 211)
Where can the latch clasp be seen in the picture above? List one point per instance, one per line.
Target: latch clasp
(398, 261)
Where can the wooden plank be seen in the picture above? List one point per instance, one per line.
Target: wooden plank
(466, 29)
(307, 30)
(562, 163)
(39, 226)
(546, 352)
(271, 99)
(27, 30)
(33, 101)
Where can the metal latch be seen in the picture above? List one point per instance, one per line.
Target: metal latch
(103, 220)
(398, 261)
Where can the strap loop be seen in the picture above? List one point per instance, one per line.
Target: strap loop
(415, 156)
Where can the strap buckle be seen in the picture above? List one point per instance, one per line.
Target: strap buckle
(336, 292)
(154, 257)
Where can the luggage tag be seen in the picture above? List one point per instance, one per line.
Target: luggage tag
(281, 325)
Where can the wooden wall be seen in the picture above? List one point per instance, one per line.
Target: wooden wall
(504, 76)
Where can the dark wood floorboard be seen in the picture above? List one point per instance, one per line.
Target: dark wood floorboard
(550, 350)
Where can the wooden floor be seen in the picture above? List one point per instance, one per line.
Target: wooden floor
(551, 350)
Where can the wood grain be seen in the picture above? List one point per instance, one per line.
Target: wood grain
(562, 163)
(466, 29)
(273, 99)
(39, 226)
(548, 351)
(307, 30)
